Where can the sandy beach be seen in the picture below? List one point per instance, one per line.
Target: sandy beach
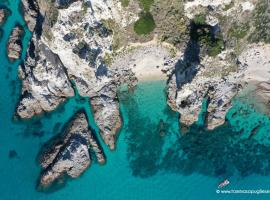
(257, 62)
(147, 61)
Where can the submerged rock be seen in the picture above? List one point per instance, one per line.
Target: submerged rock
(70, 154)
(14, 46)
(13, 154)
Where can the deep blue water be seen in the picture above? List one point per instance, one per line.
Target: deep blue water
(145, 164)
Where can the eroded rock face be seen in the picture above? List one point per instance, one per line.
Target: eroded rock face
(107, 117)
(14, 46)
(205, 83)
(30, 12)
(45, 81)
(70, 154)
(214, 79)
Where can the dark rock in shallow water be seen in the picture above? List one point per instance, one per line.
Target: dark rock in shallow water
(13, 154)
(14, 47)
(69, 155)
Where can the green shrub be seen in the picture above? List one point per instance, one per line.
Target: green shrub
(239, 31)
(199, 19)
(215, 47)
(145, 24)
(146, 4)
(261, 23)
(124, 3)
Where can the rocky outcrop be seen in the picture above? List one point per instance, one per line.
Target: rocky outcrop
(58, 55)
(215, 78)
(30, 12)
(4, 12)
(264, 91)
(2, 16)
(14, 46)
(107, 117)
(45, 83)
(70, 155)
(204, 82)
(87, 47)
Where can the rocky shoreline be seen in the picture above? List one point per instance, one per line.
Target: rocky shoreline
(73, 44)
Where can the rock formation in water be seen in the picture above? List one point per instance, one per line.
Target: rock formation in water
(45, 81)
(4, 12)
(217, 75)
(14, 46)
(31, 14)
(70, 155)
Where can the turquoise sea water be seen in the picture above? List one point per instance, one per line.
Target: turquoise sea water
(146, 165)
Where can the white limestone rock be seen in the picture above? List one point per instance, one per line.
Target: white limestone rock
(45, 83)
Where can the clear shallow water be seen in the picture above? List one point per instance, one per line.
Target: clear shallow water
(145, 165)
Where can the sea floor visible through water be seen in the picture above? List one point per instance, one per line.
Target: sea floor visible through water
(152, 161)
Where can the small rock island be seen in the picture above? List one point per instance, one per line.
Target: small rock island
(70, 154)
(14, 47)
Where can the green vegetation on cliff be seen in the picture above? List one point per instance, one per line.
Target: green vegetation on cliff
(145, 24)
(199, 19)
(146, 4)
(261, 22)
(238, 31)
(124, 3)
(203, 34)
